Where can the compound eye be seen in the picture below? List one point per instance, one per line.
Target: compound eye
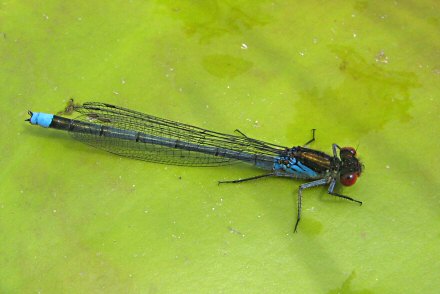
(348, 151)
(348, 179)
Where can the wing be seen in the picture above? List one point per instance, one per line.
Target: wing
(123, 118)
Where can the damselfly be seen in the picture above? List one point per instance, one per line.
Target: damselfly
(141, 136)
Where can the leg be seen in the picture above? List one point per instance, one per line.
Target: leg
(316, 183)
(246, 179)
(311, 140)
(332, 187)
(334, 147)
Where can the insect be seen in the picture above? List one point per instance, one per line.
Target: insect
(145, 137)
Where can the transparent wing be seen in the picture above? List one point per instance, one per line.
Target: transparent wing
(126, 119)
(148, 152)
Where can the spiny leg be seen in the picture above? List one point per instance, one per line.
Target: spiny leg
(311, 140)
(332, 187)
(334, 148)
(345, 197)
(316, 183)
(246, 179)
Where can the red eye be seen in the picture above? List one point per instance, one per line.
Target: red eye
(350, 150)
(348, 179)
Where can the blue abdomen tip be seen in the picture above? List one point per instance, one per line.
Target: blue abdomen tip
(41, 119)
